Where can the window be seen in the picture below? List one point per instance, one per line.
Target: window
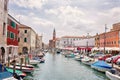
(18, 39)
(25, 31)
(8, 34)
(16, 36)
(11, 35)
(3, 28)
(13, 24)
(25, 39)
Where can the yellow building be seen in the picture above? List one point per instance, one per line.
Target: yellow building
(27, 39)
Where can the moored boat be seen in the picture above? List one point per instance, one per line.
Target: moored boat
(23, 65)
(18, 72)
(5, 75)
(79, 57)
(101, 66)
(70, 55)
(24, 69)
(88, 61)
(113, 75)
(34, 62)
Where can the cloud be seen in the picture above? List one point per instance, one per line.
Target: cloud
(29, 3)
(68, 17)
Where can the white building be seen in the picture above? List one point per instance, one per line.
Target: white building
(90, 42)
(85, 45)
(3, 27)
(68, 41)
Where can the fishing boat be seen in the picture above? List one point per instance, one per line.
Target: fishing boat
(24, 69)
(88, 61)
(5, 75)
(113, 74)
(101, 66)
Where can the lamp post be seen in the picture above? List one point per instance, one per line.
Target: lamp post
(87, 42)
(105, 38)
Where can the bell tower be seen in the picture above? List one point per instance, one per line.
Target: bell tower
(54, 34)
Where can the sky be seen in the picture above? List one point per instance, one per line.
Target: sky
(68, 17)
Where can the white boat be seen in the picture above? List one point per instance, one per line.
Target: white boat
(78, 57)
(113, 75)
(24, 69)
(88, 61)
(34, 62)
(10, 78)
(23, 65)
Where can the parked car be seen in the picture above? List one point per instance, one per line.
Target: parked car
(110, 59)
(104, 57)
(116, 59)
(118, 62)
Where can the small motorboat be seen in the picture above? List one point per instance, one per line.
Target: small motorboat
(101, 66)
(18, 72)
(113, 74)
(70, 55)
(24, 69)
(23, 65)
(5, 75)
(34, 62)
(79, 57)
(88, 61)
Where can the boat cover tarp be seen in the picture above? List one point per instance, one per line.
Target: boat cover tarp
(4, 75)
(1, 68)
(101, 64)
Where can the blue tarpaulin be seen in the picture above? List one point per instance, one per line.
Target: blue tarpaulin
(102, 64)
(4, 74)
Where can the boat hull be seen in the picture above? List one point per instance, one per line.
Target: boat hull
(101, 69)
(112, 76)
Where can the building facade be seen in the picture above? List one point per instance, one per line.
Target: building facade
(68, 41)
(3, 29)
(12, 37)
(109, 41)
(38, 42)
(27, 39)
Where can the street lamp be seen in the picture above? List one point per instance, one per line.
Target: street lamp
(105, 38)
(87, 42)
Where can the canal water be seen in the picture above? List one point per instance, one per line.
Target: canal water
(57, 67)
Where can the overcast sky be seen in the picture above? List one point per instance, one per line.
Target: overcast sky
(68, 17)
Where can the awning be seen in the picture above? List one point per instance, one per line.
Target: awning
(107, 48)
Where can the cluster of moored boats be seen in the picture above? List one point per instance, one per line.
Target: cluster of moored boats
(98, 62)
(17, 70)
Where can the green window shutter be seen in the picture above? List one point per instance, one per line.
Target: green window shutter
(12, 35)
(13, 24)
(25, 39)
